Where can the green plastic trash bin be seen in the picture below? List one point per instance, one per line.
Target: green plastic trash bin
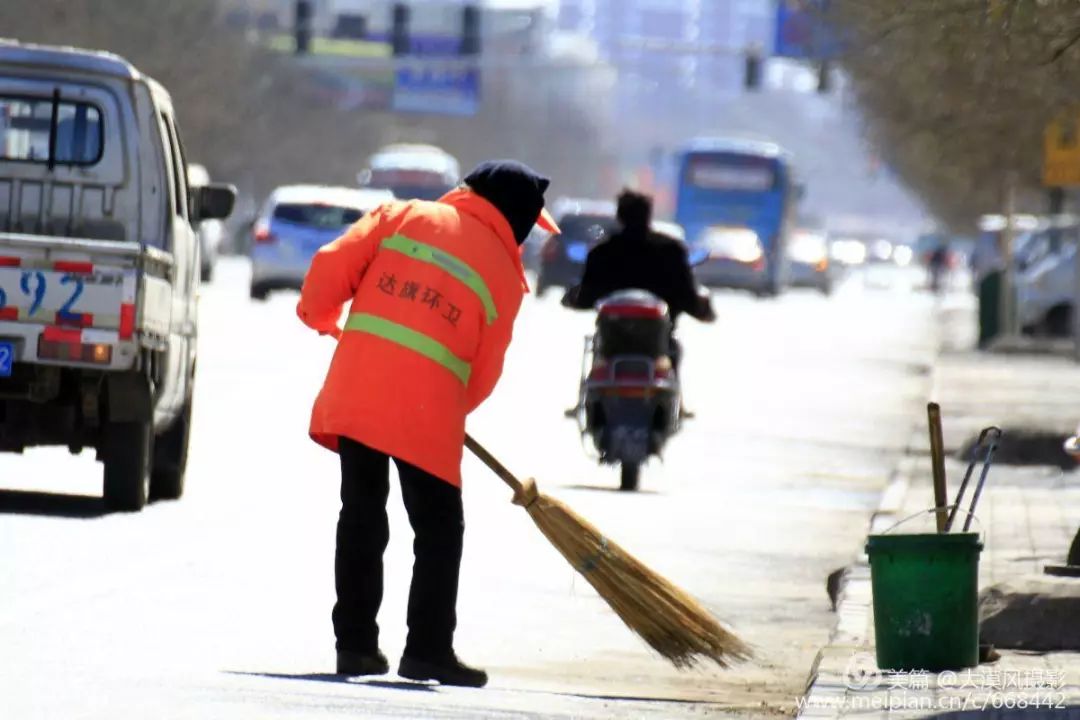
(926, 600)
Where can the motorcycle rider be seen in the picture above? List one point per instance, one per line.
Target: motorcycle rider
(637, 257)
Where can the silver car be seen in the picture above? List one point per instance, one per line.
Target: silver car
(810, 266)
(294, 223)
(731, 257)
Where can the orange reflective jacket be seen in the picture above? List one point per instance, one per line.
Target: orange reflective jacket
(435, 288)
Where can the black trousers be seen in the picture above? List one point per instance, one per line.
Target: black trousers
(436, 515)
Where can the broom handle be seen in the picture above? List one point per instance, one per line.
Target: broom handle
(937, 460)
(496, 467)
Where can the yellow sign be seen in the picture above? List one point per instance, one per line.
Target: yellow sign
(1061, 153)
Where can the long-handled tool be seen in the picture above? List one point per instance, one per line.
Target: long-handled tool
(668, 619)
(982, 480)
(989, 458)
(937, 459)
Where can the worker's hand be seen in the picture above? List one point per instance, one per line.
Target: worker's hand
(321, 326)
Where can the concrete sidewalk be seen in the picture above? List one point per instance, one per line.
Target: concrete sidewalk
(1028, 516)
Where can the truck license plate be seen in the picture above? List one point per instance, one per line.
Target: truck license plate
(7, 357)
(41, 296)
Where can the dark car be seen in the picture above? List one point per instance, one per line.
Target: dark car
(584, 225)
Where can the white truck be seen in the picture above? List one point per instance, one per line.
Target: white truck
(99, 267)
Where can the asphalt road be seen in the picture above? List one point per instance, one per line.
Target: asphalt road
(218, 605)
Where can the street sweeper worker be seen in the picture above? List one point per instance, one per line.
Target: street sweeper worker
(434, 289)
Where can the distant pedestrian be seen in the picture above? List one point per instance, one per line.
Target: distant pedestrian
(939, 268)
(434, 289)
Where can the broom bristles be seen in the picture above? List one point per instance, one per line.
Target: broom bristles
(668, 619)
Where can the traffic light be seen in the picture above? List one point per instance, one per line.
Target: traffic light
(470, 30)
(753, 62)
(399, 33)
(302, 27)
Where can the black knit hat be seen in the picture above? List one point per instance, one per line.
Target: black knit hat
(515, 189)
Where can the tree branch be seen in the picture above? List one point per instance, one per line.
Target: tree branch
(1060, 51)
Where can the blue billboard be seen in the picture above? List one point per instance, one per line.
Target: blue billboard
(801, 31)
(437, 90)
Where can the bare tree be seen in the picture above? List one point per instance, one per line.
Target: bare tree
(244, 113)
(252, 116)
(957, 93)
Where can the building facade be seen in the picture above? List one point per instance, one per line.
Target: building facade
(672, 46)
(435, 25)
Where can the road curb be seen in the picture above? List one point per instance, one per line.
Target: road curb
(851, 634)
(828, 681)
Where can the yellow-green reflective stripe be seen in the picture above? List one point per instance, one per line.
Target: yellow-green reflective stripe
(449, 263)
(418, 342)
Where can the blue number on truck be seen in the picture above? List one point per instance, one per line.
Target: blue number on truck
(65, 311)
(38, 291)
(7, 356)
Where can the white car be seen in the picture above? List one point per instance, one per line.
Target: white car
(1045, 293)
(211, 232)
(412, 171)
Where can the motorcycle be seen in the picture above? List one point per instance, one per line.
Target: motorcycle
(629, 395)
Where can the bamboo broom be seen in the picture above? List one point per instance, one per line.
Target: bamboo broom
(667, 618)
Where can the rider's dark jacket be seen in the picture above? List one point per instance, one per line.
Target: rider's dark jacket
(638, 258)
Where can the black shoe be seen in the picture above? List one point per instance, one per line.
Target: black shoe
(448, 672)
(357, 663)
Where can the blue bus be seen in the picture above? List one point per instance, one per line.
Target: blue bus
(736, 200)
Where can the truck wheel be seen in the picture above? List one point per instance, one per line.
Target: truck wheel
(206, 273)
(771, 289)
(259, 292)
(127, 464)
(170, 458)
(629, 474)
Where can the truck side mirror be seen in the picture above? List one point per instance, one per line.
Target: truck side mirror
(213, 201)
